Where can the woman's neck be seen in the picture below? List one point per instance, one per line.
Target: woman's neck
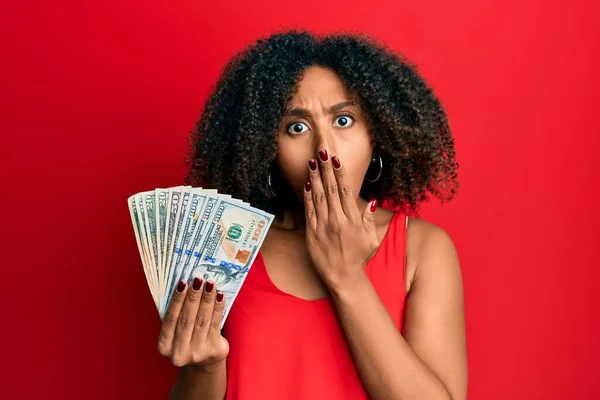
(293, 219)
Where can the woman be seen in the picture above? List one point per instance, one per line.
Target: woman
(346, 300)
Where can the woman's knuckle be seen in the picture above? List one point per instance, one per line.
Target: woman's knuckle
(178, 361)
(319, 197)
(193, 297)
(184, 321)
(215, 323)
(344, 191)
(214, 353)
(162, 336)
(170, 318)
(201, 321)
(207, 356)
(162, 348)
(197, 357)
(331, 189)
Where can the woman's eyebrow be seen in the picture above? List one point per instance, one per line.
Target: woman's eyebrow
(301, 112)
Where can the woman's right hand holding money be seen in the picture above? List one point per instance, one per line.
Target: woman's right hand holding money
(191, 328)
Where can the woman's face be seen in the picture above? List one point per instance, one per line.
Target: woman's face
(317, 118)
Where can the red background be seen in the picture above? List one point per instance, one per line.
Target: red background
(96, 102)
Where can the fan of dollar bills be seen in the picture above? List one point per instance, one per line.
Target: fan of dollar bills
(184, 232)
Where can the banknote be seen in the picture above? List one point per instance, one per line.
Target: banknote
(191, 218)
(145, 238)
(205, 214)
(161, 196)
(173, 202)
(183, 232)
(179, 232)
(232, 242)
(151, 232)
(133, 212)
(206, 200)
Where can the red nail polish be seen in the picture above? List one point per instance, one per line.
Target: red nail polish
(312, 164)
(336, 162)
(307, 186)
(197, 283)
(323, 155)
(181, 286)
(209, 287)
(373, 206)
(219, 297)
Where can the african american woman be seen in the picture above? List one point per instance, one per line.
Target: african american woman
(351, 295)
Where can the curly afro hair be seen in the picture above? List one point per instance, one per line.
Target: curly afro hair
(234, 143)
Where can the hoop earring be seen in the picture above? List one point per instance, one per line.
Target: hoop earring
(270, 186)
(374, 162)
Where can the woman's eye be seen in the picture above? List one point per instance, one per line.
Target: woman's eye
(345, 121)
(296, 128)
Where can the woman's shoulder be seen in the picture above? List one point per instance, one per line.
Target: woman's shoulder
(421, 236)
(422, 233)
(428, 247)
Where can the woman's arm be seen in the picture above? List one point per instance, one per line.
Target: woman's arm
(429, 360)
(201, 383)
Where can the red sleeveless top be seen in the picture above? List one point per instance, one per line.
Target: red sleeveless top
(284, 347)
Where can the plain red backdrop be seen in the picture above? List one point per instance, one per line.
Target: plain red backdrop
(97, 99)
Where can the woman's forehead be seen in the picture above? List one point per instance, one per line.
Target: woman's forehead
(318, 80)
(320, 90)
(303, 110)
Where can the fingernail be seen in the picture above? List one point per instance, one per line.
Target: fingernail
(336, 162)
(197, 283)
(181, 286)
(373, 206)
(219, 297)
(312, 164)
(209, 287)
(307, 186)
(323, 155)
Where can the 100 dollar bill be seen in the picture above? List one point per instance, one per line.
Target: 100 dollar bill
(184, 232)
(189, 232)
(233, 239)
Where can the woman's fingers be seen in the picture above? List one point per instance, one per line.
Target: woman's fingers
(191, 331)
(318, 191)
(214, 331)
(345, 194)
(187, 317)
(204, 314)
(330, 184)
(309, 207)
(167, 331)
